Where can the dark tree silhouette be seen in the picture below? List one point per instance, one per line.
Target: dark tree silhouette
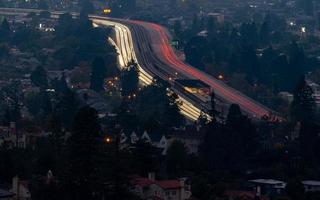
(39, 77)
(303, 105)
(83, 145)
(129, 80)
(98, 74)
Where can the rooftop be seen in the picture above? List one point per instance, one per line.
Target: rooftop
(311, 182)
(267, 181)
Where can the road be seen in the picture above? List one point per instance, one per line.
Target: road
(156, 53)
(148, 44)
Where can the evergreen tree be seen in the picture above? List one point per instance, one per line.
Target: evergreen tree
(234, 115)
(82, 172)
(303, 105)
(295, 190)
(213, 111)
(67, 108)
(177, 159)
(5, 25)
(39, 77)
(264, 33)
(98, 73)
(129, 80)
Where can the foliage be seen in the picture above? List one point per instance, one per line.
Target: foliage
(39, 77)
(303, 105)
(98, 73)
(129, 80)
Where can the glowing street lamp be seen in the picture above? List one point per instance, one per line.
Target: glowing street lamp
(107, 140)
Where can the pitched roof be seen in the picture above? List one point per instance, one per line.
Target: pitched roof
(142, 182)
(169, 184)
(164, 184)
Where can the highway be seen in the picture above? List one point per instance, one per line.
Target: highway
(148, 44)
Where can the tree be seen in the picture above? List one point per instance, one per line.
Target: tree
(309, 141)
(5, 25)
(295, 189)
(5, 30)
(39, 77)
(303, 104)
(157, 107)
(129, 80)
(4, 50)
(98, 73)
(82, 171)
(213, 111)
(307, 6)
(43, 5)
(67, 108)
(234, 115)
(264, 33)
(177, 158)
(177, 28)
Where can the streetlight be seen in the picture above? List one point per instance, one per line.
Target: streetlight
(107, 140)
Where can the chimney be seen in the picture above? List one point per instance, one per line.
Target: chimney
(151, 176)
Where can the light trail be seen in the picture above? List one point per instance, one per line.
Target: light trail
(159, 35)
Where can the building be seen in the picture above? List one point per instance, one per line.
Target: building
(217, 17)
(151, 189)
(311, 185)
(268, 187)
(129, 139)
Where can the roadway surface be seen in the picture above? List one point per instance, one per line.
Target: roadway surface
(148, 44)
(155, 51)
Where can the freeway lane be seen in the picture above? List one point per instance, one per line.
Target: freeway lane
(140, 53)
(159, 39)
(152, 50)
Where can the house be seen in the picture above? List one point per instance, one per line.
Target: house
(20, 138)
(6, 195)
(12, 138)
(129, 139)
(149, 188)
(21, 189)
(268, 187)
(311, 185)
(238, 194)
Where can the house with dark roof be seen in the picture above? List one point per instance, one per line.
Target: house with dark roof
(149, 188)
(130, 138)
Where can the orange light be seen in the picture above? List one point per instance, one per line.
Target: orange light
(107, 140)
(220, 76)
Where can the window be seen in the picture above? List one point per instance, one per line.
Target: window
(167, 193)
(173, 193)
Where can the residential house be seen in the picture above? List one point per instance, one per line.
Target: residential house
(151, 189)
(129, 139)
(311, 185)
(268, 187)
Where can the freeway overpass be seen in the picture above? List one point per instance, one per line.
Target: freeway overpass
(148, 44)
